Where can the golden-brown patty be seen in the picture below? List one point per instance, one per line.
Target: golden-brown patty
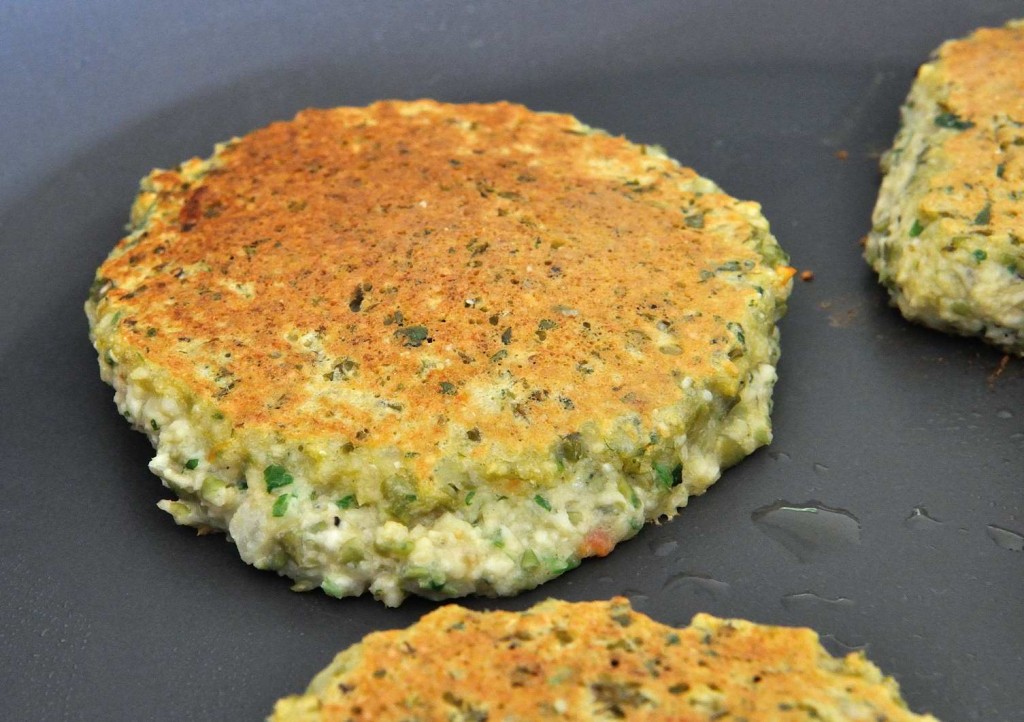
(593, 661)
(424, 308)
(948, 228)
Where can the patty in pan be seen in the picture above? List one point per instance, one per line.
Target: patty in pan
(948, 228)
(593, 661)
(438, 349)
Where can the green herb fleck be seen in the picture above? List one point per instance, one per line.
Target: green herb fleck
(473, 434)
(191, 464)
(617, 697)
(571, 448)
(150, 332)
(668, 477)
(499, 356)
(694, 221)
(506, 336)
(953, 121)
(979, 255)
(915, 230)
(1000, 170)
(546, 324)
(414, 335)
(346, 368)
(542, 502)
(672, 639)
(281, 505)
(469, 496)
(622, 617)
(276, 476)
(447, 388)
(984, 216)
(346, 502)
(154, 425)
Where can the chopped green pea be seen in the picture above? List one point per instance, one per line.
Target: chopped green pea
(191, 464)
(529, 560)
(332, 589)
(281, 505)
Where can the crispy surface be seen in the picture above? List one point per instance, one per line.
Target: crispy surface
(948, 234)
(425, 254)
(983, 79)
(593, 661)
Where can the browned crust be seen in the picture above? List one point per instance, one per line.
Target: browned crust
(434, 245)
(985, 71)
(594, 660)
(984, 86)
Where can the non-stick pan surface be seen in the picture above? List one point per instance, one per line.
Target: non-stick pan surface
(109, 611)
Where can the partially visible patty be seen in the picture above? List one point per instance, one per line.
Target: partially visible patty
(593, 661)
(438, 349)
(948, 229)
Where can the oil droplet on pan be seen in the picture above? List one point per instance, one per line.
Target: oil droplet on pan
(810, 531)
(1006, 539)
(665, 548)
(779, 456)
(636, 597)
(920, 519)
(838, 647)
(1004, 414)
(809, 600)
(700, 585)
(820, 469)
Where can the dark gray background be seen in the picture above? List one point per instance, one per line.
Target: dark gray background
(110, 611)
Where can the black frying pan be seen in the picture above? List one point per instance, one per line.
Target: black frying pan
(110, 611)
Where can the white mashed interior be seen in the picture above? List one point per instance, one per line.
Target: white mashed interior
(486, 543)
